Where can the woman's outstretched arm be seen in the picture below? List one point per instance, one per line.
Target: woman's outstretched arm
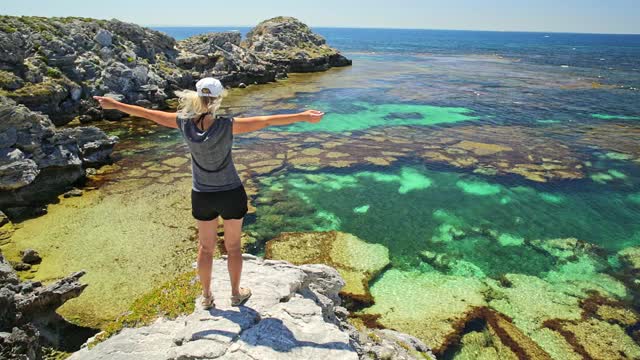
(161, 117)
(248, 124)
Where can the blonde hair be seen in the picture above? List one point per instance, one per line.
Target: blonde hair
(190, 104)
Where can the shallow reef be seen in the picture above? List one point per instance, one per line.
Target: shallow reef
(357, 261)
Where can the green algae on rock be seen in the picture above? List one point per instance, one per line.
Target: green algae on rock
(485, 149)
(361, 209)
(478, 188)
(171, 299)
(510, 240)
(425, 305)
(124, 252)
(630, 257)
(356, 261)
(620, 138)
(409, 179)
(494, 336)
(531, 303)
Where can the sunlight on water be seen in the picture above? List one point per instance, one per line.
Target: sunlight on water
(373, 115)
(615, 117)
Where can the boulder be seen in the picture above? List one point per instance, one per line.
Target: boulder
(30, 256)
(38, 161)
(103, 37)
(20, 343)
(39, 299)
(27, 312)
(7, 275)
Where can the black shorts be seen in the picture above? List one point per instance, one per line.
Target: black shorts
(230, 204)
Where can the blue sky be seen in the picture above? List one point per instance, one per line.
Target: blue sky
(597, 16)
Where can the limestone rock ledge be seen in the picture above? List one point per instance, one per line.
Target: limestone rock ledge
(294, 313)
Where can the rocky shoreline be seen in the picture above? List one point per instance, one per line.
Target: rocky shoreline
(49, 70)
(55, 65)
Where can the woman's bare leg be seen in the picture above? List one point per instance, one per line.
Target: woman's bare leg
(232, 233)
(207, 239)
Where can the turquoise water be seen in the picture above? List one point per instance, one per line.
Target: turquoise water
(614, 117)
(412, 209)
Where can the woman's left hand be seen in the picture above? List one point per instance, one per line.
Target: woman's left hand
(106, 102)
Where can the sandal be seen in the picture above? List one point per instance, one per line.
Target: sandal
(245, 293)
(207, 302)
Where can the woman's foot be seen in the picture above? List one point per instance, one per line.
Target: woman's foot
(207, 302)
(245, 293)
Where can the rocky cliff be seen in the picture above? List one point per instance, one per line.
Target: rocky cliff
(295, 313)
(220, 55)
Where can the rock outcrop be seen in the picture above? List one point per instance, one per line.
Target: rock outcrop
(27, 313)
(287, 42)
(220, 55)
(38, 161)
(294, 313)
(55, 65)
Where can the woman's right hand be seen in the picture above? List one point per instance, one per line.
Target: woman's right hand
(312, 116)
(106, 102)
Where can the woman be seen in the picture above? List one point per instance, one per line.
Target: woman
(216, 189)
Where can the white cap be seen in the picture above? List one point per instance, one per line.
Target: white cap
(209, 87)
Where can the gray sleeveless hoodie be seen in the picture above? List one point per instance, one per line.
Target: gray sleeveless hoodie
(211, 161)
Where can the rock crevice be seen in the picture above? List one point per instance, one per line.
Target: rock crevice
(27, 314)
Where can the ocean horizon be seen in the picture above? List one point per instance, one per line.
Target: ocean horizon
(232, 27)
